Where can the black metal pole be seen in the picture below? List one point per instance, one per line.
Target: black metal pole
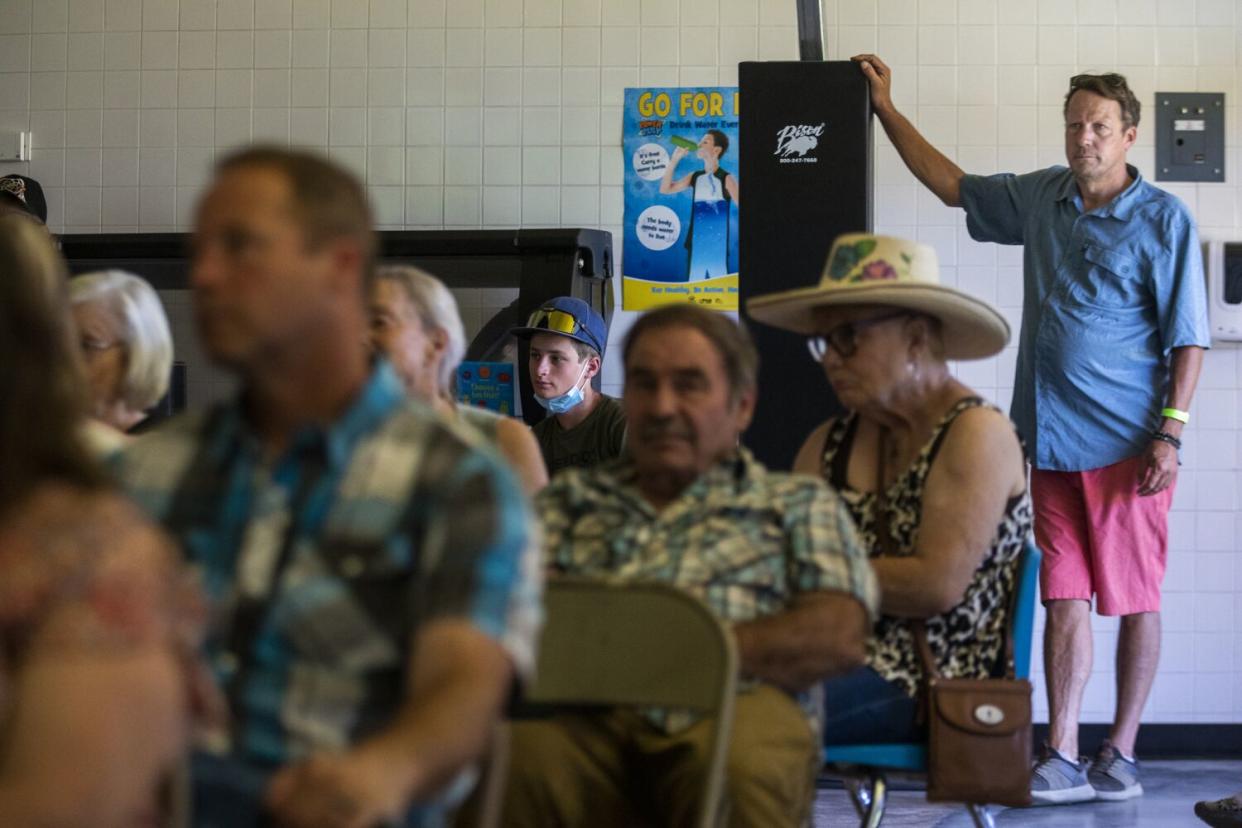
(810, 30)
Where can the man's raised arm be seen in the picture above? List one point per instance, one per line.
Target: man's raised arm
(929, 165)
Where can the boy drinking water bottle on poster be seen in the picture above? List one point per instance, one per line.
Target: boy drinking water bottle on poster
(713, 188)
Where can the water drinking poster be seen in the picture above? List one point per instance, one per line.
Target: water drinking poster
(681, 197)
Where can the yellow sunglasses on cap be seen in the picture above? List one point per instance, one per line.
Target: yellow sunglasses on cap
(551, 319)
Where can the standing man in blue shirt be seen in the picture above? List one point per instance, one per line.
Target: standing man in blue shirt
(365, 562)
(1114, 325)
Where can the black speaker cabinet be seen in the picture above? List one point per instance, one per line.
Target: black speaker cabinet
(805, 138)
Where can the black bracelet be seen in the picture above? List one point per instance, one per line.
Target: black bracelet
(1166, 437)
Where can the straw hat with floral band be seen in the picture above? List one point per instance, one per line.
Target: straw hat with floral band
(865, 269)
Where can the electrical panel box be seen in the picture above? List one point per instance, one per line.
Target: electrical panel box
(1190, 136)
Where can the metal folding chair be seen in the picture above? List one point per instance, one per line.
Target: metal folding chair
(639, 645)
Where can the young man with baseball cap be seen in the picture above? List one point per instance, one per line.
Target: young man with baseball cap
(583, 427)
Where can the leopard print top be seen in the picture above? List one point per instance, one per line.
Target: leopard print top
(968, 641)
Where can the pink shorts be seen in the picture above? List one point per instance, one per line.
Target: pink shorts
(1100, 538)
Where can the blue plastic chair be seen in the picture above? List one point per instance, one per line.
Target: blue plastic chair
(865, 767)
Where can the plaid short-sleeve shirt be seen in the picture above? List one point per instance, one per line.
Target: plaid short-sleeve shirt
(744, 540)
(323, 563)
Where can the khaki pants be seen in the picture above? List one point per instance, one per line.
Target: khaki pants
(609, 769)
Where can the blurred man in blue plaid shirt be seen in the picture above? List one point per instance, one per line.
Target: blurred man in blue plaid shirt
(366, 564)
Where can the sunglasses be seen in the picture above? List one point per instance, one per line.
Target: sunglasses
(844, 338)
(1109, 79)
(558, 321)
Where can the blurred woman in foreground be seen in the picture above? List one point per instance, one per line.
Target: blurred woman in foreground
(94, 633)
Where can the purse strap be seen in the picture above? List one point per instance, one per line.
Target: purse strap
(884, 540)
(882, 537)
(1010, 612)
(925, 652)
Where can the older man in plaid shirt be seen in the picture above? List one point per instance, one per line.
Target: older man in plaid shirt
(774, 554)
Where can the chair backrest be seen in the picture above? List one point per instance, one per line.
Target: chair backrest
(1022, 621)
(640, 644)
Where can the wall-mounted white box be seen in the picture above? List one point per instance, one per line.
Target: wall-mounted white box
(15, 146)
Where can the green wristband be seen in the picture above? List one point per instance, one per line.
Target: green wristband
(1174, 414)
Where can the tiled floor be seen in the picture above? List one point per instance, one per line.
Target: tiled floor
(1172, 787)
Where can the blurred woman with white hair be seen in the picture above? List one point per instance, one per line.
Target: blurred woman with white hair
(415, 323)
(126, 346)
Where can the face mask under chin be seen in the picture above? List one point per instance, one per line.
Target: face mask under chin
(566, 402)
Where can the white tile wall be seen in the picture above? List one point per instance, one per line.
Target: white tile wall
(469, 113)
(208, 384)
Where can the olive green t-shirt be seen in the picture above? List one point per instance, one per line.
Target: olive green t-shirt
(600, 437)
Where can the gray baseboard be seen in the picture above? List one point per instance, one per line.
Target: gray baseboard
(1166, 741)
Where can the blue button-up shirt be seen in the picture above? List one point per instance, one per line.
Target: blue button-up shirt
(1108, 294)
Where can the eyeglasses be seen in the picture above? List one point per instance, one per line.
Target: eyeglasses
(558, 321)
(844, 338)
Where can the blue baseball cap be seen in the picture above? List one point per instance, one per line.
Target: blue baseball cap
(568, 317)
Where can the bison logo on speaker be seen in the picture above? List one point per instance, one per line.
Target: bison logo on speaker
(797, 140)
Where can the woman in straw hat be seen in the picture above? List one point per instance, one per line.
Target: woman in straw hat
(933, 475)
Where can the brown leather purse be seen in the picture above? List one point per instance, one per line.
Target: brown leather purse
(979, 734)
(979, 730)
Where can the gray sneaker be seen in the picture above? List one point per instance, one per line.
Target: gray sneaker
(1114, 777)
(1056, 781)
(1220, 813)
